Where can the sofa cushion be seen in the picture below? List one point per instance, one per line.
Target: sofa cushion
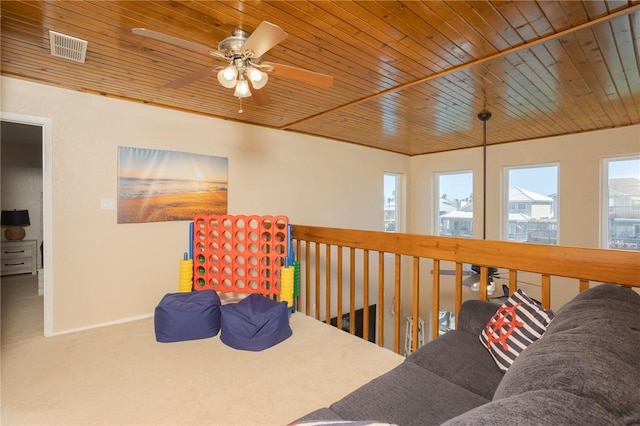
(341, 423)
(540, 407)
(474, 315)
(321, 414)
(589, 350)
(407, 395)
(459, 357)
(515, 325)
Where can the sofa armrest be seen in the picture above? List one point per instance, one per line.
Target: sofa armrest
(474, 315)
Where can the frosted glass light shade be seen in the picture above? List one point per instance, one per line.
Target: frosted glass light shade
(257, 77)
(227, 76)
(242, 89)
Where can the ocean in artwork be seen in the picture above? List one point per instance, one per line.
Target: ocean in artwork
(140, 187)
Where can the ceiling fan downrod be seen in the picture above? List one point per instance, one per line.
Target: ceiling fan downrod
(484, 116)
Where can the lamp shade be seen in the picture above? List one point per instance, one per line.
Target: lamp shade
(257, 77)
(227, 76)
(242, 89)
(15, 218)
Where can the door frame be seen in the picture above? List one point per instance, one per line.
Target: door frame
(47, 207)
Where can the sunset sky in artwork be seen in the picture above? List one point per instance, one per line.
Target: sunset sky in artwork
(144, 163)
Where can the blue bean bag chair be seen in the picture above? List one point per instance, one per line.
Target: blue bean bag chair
(255, 323)
(187, 316)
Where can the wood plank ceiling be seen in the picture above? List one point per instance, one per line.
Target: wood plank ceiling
(409, 76)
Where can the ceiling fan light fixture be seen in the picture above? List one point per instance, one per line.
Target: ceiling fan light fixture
(257, 77)
(227, 76)
(242, 89)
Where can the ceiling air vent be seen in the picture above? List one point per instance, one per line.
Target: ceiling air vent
(67, 47)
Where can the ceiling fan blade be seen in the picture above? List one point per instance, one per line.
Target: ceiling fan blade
(263, 38)
(195, 47)
(471, 280)
(314, 78)
(260, 96)
(191, 78)
(453, 272)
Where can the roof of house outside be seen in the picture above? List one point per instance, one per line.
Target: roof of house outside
(458, 215)
(520, 194)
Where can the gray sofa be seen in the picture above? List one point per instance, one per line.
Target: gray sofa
(584, 370)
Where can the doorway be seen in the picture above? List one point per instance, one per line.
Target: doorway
(30, 130)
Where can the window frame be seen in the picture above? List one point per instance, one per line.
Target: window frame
(436, 202)
(505, 204)
(399, 201)
(604, 196)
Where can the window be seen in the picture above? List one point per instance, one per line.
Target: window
(454, 206)
(532, 204)
(391, 202)
(621, 204)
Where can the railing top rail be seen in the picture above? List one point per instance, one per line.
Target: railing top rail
(592, 264)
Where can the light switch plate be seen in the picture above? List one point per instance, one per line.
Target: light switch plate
(107, 204)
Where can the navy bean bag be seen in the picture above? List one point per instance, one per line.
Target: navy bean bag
(255, 323)
(187, 316)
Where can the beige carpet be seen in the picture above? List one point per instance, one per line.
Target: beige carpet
(21, 309)
(119, 375)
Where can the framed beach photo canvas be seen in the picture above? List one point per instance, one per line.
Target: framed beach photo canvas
(156, 185)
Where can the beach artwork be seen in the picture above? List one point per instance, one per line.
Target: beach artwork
(157, 186)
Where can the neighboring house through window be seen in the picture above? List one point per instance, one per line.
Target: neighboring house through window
(454, 204)
(621, 203)
(532, 204)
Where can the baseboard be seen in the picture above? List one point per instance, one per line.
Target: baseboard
(103, 324)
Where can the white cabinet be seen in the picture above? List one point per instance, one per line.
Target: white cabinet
(19, 257)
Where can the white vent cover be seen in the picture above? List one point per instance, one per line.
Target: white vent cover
(67, 47)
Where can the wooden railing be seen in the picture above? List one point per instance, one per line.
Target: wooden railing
(322, 253)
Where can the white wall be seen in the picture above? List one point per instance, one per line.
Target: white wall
(105, 272)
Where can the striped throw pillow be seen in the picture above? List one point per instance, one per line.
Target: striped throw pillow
(519, 322)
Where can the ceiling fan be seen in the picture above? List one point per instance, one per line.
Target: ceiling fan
(245, 71)
(473, 279)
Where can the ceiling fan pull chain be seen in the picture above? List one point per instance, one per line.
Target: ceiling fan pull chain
(240, 110)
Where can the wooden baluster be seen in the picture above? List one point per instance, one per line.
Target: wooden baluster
(307, 277)
(513, 281)
(365, 297)
(458, 296)
(352, 291)
(340, 290)
(584, 285)
(327, 289)
(435, 301)
(546, 291)
(317, 279)
(484, 280)
(416, 303)
(396, 319)
(380, 310)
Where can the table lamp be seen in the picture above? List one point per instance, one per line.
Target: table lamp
(14, 220)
